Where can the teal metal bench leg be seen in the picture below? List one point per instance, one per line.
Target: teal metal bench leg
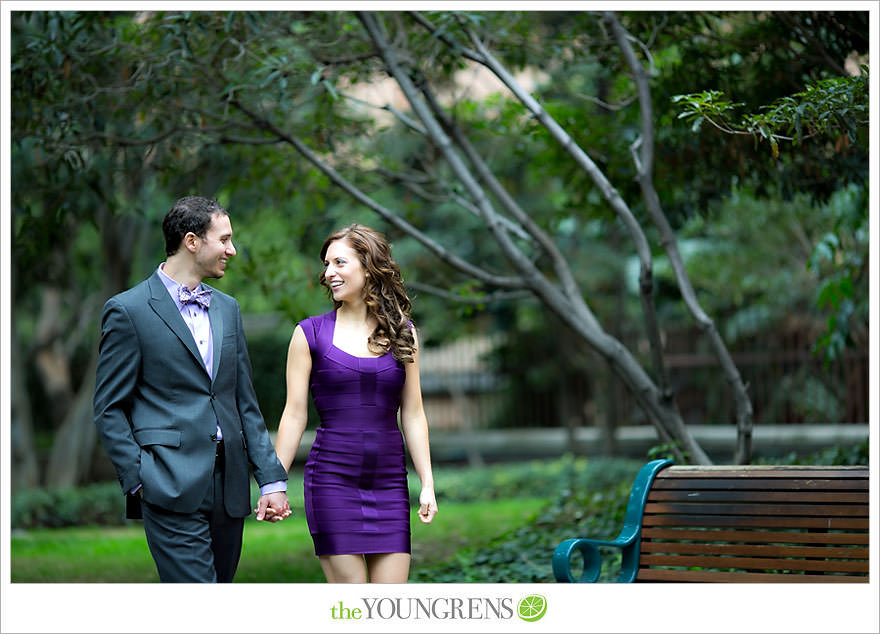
(629, 565)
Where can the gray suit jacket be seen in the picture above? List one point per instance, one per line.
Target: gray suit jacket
(157, 409)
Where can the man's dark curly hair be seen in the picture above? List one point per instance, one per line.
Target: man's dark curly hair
(189, 214)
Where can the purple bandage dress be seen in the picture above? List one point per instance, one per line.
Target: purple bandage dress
(356, 495)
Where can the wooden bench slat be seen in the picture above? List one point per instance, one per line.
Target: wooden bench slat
(833, 497)
(761, 471)
(739, 524)
(763, 550)
(799, 537)
(757, 483)
(755, 563)
(807, 510)
(658, 574)
(694, 521)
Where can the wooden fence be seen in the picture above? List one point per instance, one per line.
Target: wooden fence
(787, 383)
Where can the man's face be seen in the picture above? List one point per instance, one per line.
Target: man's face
(215, 249)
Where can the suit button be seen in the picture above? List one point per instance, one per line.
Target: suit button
(214, 437)
(213, 396)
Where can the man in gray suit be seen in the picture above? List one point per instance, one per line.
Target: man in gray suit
(175, 405)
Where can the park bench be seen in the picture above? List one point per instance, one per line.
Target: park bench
(736, 524)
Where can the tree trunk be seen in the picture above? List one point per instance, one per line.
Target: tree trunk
(50, 355)
(25, 467)
(568, 303)
(74, 444)
(76, 439)
(563, 298)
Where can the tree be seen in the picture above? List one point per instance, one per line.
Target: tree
(92, 174)
(77, 221)
(767, 63)
(277, 82)
(834, 110)
(47, 53)
(563, 296)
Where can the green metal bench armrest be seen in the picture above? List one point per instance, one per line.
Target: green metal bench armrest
(589, 548)
(629, 540)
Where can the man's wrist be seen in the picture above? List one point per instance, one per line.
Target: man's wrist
(273, 487)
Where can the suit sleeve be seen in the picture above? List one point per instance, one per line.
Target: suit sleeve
(261, 454)
(116, 378)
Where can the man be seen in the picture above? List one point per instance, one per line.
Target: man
(175, 404)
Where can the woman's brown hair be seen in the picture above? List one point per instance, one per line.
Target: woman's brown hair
(384, 293)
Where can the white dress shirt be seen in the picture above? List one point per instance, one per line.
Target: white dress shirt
(199, 323)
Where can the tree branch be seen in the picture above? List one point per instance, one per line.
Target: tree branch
(608, 106)
(438, 250)
(405, 120)
(533, 277)
(643, 154)
(578, 154)
(569, 284)
(226, 138)
(661, 411)
(415, 186)
(670, 245)
(618, 205)
(499, 296)
(433, 30)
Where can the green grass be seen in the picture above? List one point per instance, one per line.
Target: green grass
(272, 553)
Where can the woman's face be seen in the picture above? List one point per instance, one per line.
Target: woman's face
(343, 272)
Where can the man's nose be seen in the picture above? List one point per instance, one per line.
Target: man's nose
(230, 248)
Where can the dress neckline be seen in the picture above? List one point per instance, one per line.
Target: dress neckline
(353, 356)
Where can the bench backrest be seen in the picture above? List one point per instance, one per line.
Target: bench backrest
(752, 523)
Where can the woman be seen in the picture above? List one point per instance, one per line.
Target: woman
(360, 362)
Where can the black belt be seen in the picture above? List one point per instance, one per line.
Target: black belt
(220, 459)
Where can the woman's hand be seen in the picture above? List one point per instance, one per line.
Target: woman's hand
(427, 505)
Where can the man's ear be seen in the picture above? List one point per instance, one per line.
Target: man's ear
(190, 242)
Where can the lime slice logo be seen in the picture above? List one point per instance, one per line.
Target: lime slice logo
(532, 607)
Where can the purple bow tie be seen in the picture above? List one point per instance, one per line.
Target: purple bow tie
(202, 297)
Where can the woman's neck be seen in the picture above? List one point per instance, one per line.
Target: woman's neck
(352, 313)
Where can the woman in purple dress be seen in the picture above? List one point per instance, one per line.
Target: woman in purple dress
(360, 363)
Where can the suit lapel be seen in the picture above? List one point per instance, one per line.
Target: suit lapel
(164, 306)
(216, 316)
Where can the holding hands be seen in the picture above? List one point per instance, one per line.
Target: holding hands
(273, 507)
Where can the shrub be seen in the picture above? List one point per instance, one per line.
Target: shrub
(850, 455)
(101, 504)
(575, 486)
(524, 554)
(585, 497)
(589, 498)
(533, 478)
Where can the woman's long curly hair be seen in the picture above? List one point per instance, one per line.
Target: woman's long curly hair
(384, 293)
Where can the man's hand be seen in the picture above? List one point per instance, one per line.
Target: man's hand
(273, 507)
